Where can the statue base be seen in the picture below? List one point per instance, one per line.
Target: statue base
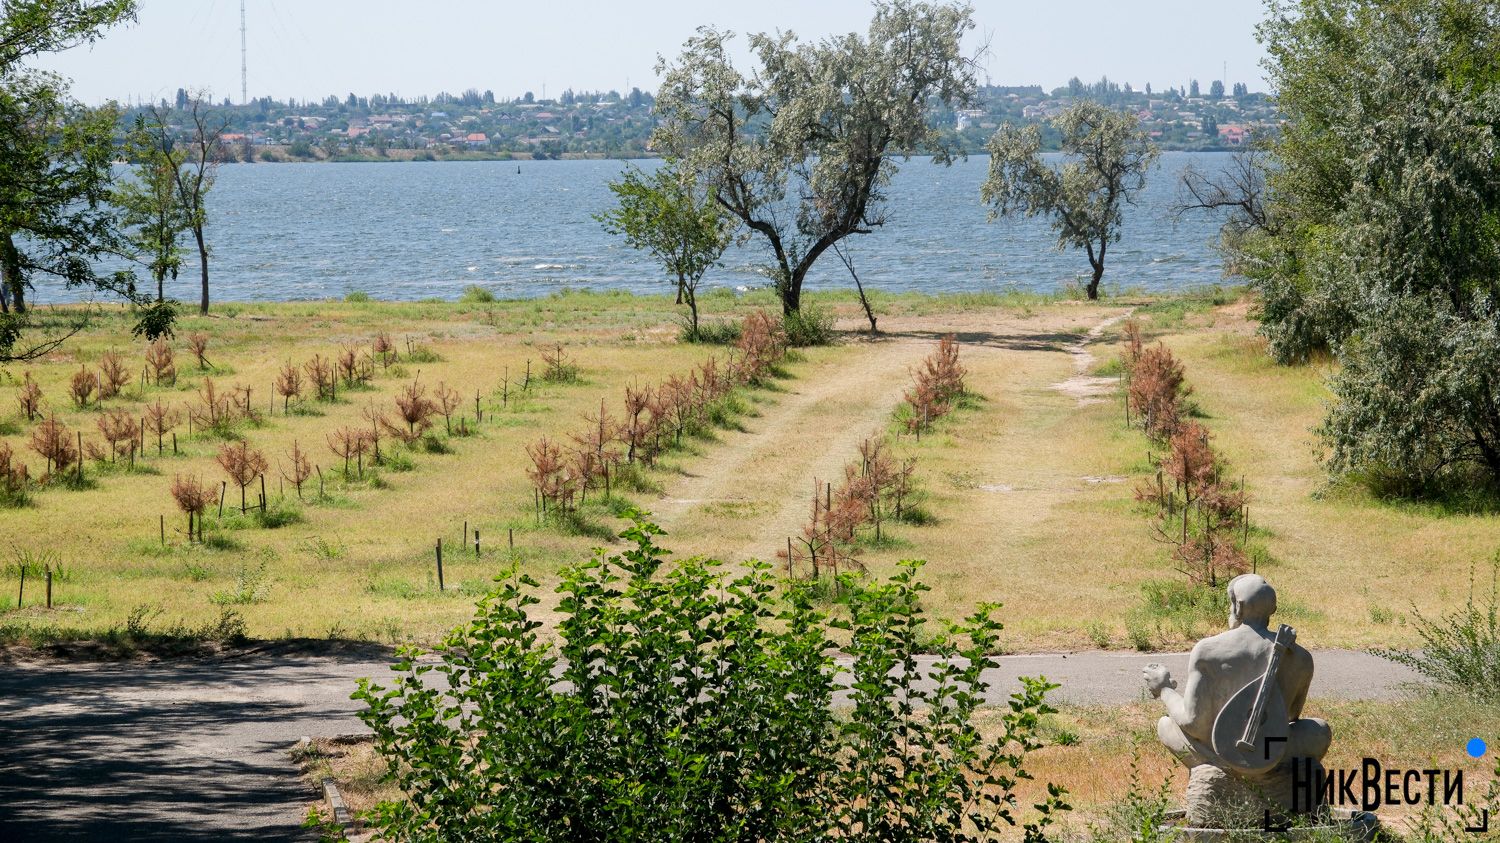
(1217, 798)
(1340, 824)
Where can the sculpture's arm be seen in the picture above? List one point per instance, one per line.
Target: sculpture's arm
(1183, 706)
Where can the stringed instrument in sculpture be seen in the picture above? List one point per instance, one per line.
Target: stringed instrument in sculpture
(1250, 731)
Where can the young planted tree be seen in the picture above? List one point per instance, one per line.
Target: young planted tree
(288, 385)
(112, 375)
(82, 387)
(30, 398)
(160, 419)
(445, 400)
(192, 497)
(119, 429)
(669, 215)
(324, 381)
(298, 468)
(55, 443)
(243, 464)
(414, 411)
(198, 344)
(347, 443)
(1107, 159)
(816, 125)
(160, 360)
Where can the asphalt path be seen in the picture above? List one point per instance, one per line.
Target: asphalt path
(198, 750)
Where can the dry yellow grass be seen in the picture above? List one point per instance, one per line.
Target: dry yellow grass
(1030, 488)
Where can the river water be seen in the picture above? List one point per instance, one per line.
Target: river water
(415, 230)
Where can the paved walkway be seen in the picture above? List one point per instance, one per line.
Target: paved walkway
(198, 750)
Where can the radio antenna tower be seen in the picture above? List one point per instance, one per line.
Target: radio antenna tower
(244, 75)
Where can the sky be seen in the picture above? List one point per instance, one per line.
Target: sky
(309, 49)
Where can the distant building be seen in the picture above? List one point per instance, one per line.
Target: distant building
(1234, 134)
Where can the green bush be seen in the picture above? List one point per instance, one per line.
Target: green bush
(711, 332)
(811, 325)
(1460, 651)
(684, 702)
(357, 297)
(475, 294)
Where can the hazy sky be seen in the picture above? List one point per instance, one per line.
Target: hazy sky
(312, 48)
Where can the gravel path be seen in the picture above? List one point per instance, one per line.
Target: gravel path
(198, 750)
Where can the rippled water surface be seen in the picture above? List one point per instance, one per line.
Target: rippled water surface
(418, 230)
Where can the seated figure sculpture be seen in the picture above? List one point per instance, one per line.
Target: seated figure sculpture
(1236, 722)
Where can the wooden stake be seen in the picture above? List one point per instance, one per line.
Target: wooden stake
(440, 563)
(262, 492)
(21, 593)
(164, 530)
(511, 531)
(80, 457)
(476, 542)
(788, 557)
(49, 587)
(174, 443)
(223, 489)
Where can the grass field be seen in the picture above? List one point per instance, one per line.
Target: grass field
(1029, 488)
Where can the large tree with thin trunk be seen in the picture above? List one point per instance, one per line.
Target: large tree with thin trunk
(1106, 159)
(800, 152)
(55, 173)
(192, 151)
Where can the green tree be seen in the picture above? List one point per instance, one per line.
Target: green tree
(686, 703)
(55, 170)
(150, 208)
(1107, 159)
(668, 215)
(192, 153)
(1216, 89)
(801, 151)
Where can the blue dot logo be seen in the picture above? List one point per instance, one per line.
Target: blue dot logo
(1476, 747)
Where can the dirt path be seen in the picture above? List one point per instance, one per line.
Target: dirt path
(751, 489)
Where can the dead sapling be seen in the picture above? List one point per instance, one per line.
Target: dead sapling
(82, 387)
(198, 344)
(160, 419)
(298, 468)
(112, 375)
(54, 442)
(30, 398)
(288, 386)
(160, 361)
(243, 464)
(193, 498)
(446, 400)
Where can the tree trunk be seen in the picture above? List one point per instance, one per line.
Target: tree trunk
(1093, 288)
(692, 303)
(203, 263)
(10, 274)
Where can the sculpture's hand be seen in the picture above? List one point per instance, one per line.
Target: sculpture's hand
(1158, 678)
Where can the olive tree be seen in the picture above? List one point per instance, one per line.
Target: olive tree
(1107, 159)
(667, 214)
(800, 151)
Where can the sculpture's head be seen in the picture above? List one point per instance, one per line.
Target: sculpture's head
(1252, 600)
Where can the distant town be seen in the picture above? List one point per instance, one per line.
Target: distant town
(608, 124)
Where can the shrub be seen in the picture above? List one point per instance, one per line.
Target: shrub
(808, 326)
(475, 294)
(288, 385)
(118, 429)
(1460, 651)
(298, 467)
(686, 703)
(14, 477)
(321, 373)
